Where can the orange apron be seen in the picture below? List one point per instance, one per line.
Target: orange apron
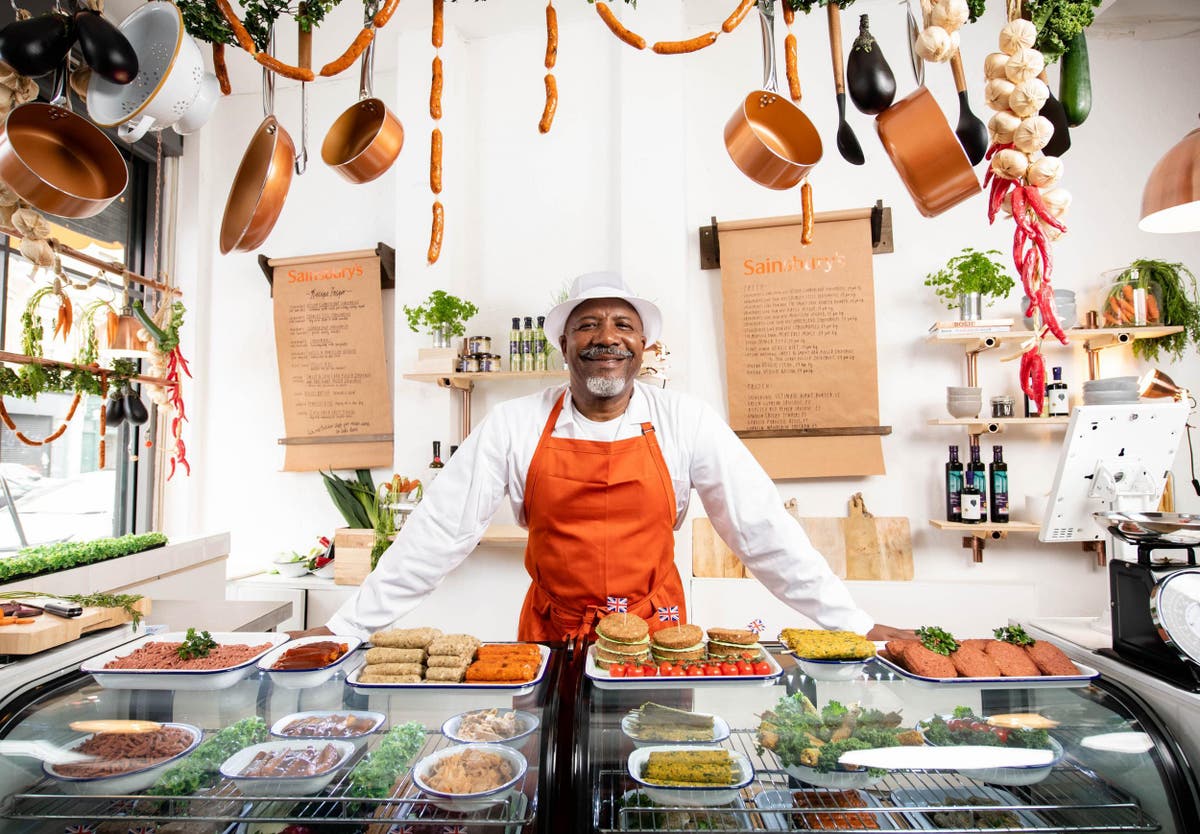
(601, 520)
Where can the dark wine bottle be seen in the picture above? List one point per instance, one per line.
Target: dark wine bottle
(436, 466)
(998, 484)
(954, 485)
(971, 500)
(977, 472)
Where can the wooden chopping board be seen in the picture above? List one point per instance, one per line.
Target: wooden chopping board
(859, 546)
(48, 631)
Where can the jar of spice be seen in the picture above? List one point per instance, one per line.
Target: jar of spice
(489, 362)
(468, 364)
(1002, 406)
(479, 344)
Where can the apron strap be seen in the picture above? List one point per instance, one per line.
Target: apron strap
(531, 475)
(660, 464)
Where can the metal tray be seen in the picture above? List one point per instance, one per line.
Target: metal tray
(914, 798)
(600, 677)
(643, 818)
(778, 809)
(1086, 675)
(514, 688)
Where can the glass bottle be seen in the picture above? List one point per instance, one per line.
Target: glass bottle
(541, 347)
(514, 345)
(998, 484)
(971, 501)
(527, 345)
(436, 466)
(977, 472)
(954, 485)
(1058, 401)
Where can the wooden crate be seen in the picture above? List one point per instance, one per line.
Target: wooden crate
(352, 554)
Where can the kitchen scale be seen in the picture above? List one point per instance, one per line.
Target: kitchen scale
(1155, 603)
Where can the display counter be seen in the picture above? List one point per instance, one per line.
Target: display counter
(1114, 766)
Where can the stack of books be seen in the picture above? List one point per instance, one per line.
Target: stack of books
(976, 327)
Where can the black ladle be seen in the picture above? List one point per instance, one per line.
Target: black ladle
(971, 132)
(108, 52)
(847, 142)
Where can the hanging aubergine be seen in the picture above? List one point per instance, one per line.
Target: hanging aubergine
(135, 409)
(869, 79)
(114, 412)
(1075, 81)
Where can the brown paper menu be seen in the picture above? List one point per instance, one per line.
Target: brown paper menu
(800, 343)
(337, 406)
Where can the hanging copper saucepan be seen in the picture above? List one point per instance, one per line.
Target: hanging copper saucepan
(261, 183)
(366, 139)
(926, 153)
(57, 161)
(768, 138)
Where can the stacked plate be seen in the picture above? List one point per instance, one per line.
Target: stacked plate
(1112, 391)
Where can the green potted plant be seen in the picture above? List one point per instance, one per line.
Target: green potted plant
(442, 315)
(967, 279)
(1170, 300)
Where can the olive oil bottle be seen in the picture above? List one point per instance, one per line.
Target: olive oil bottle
(998, 486)
(954, 485)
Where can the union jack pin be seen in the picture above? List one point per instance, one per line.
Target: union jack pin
(454, 829)
(401, 829)
(619, 605)
(669, 614)
(756, 626)
(81, 829)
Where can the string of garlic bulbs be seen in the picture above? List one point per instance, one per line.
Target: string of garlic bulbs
(1023, 182)
(938, 41)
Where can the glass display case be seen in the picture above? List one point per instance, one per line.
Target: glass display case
(202, 800)
(1113, 767)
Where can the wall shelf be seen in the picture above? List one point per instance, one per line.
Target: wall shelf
(1097, 338)
(505, 534)
(977, 425)
(464, 383)
(986, 528)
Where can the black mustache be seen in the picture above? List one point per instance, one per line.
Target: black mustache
(601, 351)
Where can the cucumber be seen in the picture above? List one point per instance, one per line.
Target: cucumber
(1075, 81)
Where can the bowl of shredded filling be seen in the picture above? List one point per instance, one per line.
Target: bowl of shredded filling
(491, 726)
(470, 777)
(123, 763)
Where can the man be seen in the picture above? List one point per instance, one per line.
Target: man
(601, 472)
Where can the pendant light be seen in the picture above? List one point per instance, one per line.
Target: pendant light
(1171, 199)
(126, 344)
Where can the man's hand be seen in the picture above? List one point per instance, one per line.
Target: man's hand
(884, 632)
(319, 631)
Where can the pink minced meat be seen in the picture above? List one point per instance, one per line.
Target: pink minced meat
(166, 656)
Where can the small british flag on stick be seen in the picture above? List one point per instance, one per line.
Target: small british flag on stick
(82, 828)
(454, 829)
(618, 605)
(756, 626)
(669, 614)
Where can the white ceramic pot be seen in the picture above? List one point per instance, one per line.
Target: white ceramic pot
(170, 76)
(201, 111)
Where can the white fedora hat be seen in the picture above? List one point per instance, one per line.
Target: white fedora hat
(602, 285)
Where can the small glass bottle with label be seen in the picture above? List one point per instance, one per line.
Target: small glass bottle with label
(971, 501)
(977, 472)
(527, 345)
(998, 484)
(1058, 402)
(541, 348)
(514, 345)
(435, 466)
(954, 485)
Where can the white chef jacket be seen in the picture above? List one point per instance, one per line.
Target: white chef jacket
(701, 453)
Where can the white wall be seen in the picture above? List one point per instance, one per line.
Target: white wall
(634, 164)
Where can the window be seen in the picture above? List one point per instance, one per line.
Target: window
(58, 490)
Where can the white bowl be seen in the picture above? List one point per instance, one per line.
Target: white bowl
(467, 802)
(964, 408)
(720, 733)
(689, 796)
(833, 670)
(325, 572)
(842, 780)
(283, 785)
(290, 569)
(528, 720)
(1027, 775)
(358, 739)
(304, 678)
(134, 781)
(964, 391)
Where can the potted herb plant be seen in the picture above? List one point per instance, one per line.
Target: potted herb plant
(1170, 299)
(967, 279)
(442, 315)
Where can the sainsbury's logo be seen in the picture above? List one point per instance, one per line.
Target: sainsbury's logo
(767, 266)
(345, 273)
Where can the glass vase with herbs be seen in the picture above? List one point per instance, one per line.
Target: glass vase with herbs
(970, 280)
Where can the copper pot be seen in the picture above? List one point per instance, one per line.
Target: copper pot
(365, 140)
(261, 183)
(768, 138)
(926, 153)
(57, 161)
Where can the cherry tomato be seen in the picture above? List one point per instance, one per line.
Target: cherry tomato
(677, 672)
(617, 670)
(979, 726)
(694, 672)
(711, 670)
(1001, 733)
(635, 671)
(650, 671)
(762, 668)
(958, 724)
(729, 668)
(665, 668)
(745, 667)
